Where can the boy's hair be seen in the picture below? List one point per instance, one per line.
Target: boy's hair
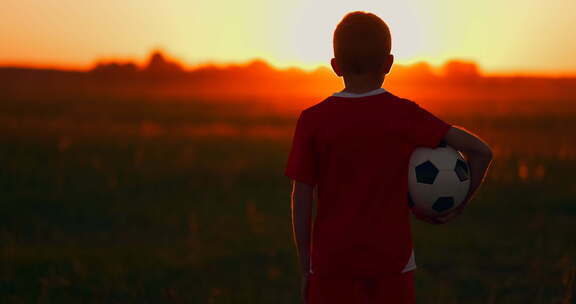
(362, 42)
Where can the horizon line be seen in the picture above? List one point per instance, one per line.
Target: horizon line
(498, 72)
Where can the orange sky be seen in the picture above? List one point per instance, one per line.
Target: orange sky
(501, 35)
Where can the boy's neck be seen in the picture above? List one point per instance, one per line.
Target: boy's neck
(360, 83)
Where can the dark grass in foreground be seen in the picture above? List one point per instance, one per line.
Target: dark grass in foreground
(163, 219)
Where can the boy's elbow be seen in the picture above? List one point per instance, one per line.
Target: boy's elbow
(487, 152)
(467, 142)
(490, 154)
(480, 151)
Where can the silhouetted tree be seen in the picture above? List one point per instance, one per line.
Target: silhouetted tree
(115, 68)
(158, 65)
(460, 70)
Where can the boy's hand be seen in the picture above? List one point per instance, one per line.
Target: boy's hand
(452, 214)
(457, 211)
(444, 218)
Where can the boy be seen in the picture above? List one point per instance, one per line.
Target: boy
(353, 149)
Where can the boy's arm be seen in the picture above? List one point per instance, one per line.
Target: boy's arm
(479, 156)
(302, 199)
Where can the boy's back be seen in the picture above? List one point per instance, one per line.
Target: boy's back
(356, 150)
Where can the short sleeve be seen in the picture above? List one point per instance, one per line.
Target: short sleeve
(424, 129)
(301, 165)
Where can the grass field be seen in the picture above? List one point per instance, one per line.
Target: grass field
(143, 209)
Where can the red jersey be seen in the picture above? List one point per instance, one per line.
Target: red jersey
(356, 150)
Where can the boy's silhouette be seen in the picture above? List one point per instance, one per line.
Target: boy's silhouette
(353, 148)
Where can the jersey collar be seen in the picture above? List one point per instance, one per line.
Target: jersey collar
(354, 95)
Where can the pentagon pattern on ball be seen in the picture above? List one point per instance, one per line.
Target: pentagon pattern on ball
(426, 172)
(443, 203)
(461, 170)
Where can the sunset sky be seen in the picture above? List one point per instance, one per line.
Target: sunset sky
(527, 36)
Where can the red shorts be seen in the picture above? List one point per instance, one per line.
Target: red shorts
(395, 289)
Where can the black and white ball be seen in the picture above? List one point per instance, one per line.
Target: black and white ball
(438, 180)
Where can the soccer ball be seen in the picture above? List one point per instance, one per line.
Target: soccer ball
(438, 180)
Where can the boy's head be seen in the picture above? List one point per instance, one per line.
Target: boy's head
(362, 46)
